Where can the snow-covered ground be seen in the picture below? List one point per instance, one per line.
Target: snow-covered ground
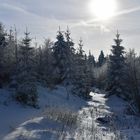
(73, 119)
(13, 114)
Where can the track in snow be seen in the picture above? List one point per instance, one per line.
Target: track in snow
(89, 128)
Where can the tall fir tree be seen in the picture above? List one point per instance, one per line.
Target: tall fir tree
(62, 53)
(59, 57)
(82, 78)
(39, 63)
(91, 66)
(47, 66)
(116, 68)
(9, 53)
(101, 59)
(26, 92)
(91, 60)
(70, 52)
(3, 45)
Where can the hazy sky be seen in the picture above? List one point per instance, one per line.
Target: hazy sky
(43, 17)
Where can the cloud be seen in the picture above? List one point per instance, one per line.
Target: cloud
(12, 7)
(128, 11)
(17, 9)
(62, 9)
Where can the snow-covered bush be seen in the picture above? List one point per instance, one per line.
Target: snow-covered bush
(27, 94)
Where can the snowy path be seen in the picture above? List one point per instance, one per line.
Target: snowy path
(88, 127)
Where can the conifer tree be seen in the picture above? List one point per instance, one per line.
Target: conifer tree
(62, 53)
(39, 63)
(59, 57)
(91, 60)
(82, 79)
(47, 64)
(26, 91)
(116, 68)
(91, 66)
(101, 59)
(3, 45)
(70, 52)
(9, 53)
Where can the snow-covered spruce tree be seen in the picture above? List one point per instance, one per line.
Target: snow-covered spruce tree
(26, 92)
(91, 61)
(9, 53)
(39, 63)
(69, 62)
(62, 53)
(116, 69)
(48, 60)
(101, 59)
(44, 63)
(82, 78)
(91, 66)
(59, 57)
(3, 45)
(70, 52)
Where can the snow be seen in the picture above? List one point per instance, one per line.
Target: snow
(125, 122)
(13, 114)
(89, 127)
(50, 121)
(37, 128)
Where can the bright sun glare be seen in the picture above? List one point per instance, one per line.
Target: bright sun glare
(103, 9)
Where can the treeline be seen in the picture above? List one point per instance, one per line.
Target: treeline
(23, 65)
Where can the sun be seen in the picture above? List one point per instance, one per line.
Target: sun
(103, 9)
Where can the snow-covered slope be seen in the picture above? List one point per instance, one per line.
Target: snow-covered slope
(125, 122)
(13, 114)
(73, 119)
